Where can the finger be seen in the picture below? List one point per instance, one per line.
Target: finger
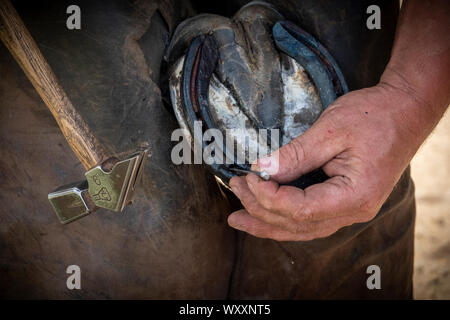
(243, 221)
(256, 210)
(310, 151)
(336, 197)
(240, 188)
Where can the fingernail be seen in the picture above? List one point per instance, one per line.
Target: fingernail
(232, 221)
(235, 190)
(252, 179)
(269, 164)
(234, 185)
(255, 166)
(264, 162)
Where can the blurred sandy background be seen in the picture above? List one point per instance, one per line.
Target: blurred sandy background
(431, 175)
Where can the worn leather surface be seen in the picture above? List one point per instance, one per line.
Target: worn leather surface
(173, 242)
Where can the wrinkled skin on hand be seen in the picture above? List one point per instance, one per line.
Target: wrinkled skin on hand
(362, 142)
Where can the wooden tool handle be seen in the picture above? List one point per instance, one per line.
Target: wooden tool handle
(19, 42)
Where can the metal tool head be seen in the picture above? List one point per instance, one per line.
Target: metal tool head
(110, 189)
(114, 189)
(71, 201)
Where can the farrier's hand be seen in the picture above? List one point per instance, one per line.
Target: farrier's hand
(363, 142)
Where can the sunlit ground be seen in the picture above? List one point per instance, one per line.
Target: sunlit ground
(431, 174)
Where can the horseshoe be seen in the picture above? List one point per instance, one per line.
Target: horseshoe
(201, 60)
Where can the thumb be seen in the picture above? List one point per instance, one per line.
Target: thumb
(318, 145)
